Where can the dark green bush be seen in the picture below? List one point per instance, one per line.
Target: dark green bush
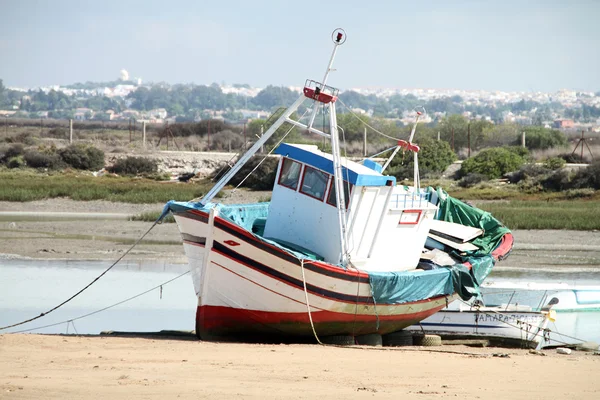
(493, 163)
(554, 163)
(134, 166)
(537, 137)
(83, 157)
(570, 158)
(15, 162)
(559, 180)
(14, 150)
(471, 180)
(261, 179)
(527, 171)
(588, 177)
(518, 150)
(434, 157)
(35, 159)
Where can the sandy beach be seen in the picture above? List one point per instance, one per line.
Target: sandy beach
(75, 367)
(70, 367)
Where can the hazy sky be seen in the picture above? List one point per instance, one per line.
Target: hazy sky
(525, 45)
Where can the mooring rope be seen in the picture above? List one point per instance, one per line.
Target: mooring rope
(90, 284)
(312, 325)
(102, 309)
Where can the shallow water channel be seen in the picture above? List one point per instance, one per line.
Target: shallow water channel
(30, 287)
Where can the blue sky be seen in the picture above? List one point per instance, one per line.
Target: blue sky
(491, 45)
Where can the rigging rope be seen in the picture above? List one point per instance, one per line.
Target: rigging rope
(90, 284)
(357, 117)
(103, 309)
(268, 154)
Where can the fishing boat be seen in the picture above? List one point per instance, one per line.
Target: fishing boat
(340, 250)
(513, 324)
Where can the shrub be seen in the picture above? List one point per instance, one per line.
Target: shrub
(492, 163)
(434, 157)
(527, 171)
(554, 163)
(588, 177)
(559, 180)
(261, 179)
(226, 141)
(570, 158)
(83, 157)
(537, 137)
(14, 150)
(15, 162)
(471, 180)
(518, 150)
(134, 166)
(36, 159)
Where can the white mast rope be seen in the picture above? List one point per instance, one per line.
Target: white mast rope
(268, 154)
(369, 126)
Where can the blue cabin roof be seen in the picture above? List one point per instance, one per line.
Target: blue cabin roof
(355, 173)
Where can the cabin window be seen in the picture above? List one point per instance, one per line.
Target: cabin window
(290, 173)
(314, 183)
(347, 190)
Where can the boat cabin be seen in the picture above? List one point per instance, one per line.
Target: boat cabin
(386, 225)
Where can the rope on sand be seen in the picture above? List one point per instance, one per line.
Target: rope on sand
(91, 283)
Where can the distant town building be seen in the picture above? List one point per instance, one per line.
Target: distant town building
(564, 124)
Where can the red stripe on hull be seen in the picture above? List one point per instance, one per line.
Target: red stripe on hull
(218, 321)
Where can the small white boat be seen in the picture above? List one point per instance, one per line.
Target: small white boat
(506, 324)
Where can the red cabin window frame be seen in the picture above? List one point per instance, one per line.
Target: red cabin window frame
(295, 187)
(306, 167)
(347, 201)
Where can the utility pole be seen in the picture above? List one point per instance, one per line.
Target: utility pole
(144, 134)
(70, 131)
(365, 142)
(523, 139)
(208, 136)
(469, 140)
(244, 136)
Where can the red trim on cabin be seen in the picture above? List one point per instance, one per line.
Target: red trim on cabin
(302, 182)
(281, 170)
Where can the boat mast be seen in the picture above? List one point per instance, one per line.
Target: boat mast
(339, 37)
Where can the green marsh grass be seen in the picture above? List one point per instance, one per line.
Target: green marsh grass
(27, 185)
(539, 214)
(151, 216)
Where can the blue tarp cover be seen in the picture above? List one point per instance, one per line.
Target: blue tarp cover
(404, 287)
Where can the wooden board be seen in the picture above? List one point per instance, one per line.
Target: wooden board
(458, 246)
(460, 232)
